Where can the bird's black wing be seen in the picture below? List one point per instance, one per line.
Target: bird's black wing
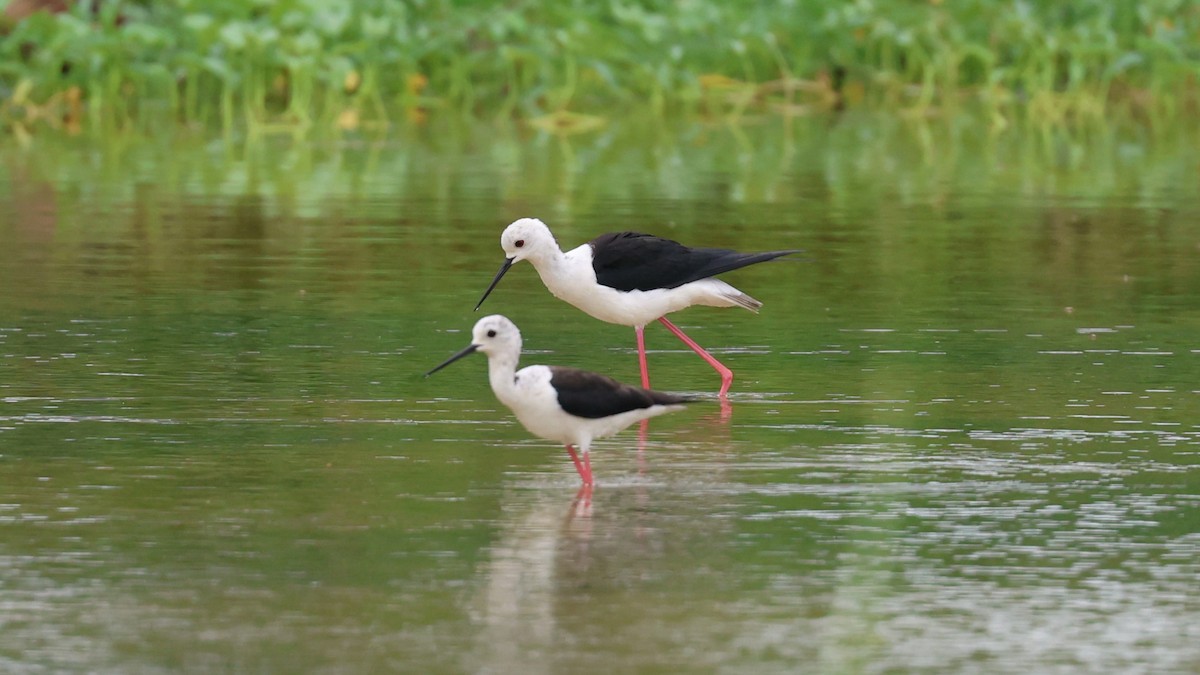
(630, 261)
(586, 394)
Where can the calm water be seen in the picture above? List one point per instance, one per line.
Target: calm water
(964, 434)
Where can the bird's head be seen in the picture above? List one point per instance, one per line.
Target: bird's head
(524, 239)
(527, 238)
(492, 335)
(496, 334)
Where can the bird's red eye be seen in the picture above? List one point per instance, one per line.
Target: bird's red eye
(520, 243)
(491, 333)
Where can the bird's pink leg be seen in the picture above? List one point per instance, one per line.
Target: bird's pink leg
(643, 434)
(726, 374)
(585, 470)
(644, 424)
(582, 506)
(641, 343)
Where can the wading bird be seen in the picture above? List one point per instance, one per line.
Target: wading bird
(561, 404)
(631, 279)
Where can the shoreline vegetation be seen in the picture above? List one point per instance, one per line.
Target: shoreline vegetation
(317, 66)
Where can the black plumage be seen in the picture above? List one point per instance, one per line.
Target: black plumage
(586, 394)
(629, 261)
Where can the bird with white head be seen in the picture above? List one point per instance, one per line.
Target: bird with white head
(631, 279)
(568, 405)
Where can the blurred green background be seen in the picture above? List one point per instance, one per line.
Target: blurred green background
(323, 64)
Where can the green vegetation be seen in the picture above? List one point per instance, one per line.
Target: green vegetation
(324, 64)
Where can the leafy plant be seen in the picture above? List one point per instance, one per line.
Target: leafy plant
(296, 65)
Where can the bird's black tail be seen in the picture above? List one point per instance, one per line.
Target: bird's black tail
(720, 261)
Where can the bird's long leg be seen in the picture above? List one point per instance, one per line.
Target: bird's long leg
(644, 424)
(585, 470)
(582, 505)
(643, 435)
(726, 373)
(641, 344)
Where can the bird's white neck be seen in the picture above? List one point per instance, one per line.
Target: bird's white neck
(501, 370)
(557, 272)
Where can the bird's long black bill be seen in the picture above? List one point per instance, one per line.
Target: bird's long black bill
(508, 262)
(464, 352)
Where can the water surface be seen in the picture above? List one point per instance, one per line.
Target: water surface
(962, 435)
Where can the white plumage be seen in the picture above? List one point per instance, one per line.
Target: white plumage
(571, 277)
(631, 279)
(571, 406)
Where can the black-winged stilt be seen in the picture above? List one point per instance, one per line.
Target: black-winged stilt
(561, 404)
(632, 279)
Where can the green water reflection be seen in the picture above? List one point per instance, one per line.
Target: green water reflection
(963, 435)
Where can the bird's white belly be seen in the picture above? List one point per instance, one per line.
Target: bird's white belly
(535, 403)
(638, 308)
(551, 424)
(574, 281)
(556, 425)
(634, 308)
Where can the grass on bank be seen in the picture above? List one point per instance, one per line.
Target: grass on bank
(299, 65)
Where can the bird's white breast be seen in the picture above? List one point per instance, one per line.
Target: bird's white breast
(573, 280)
(535, 403)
